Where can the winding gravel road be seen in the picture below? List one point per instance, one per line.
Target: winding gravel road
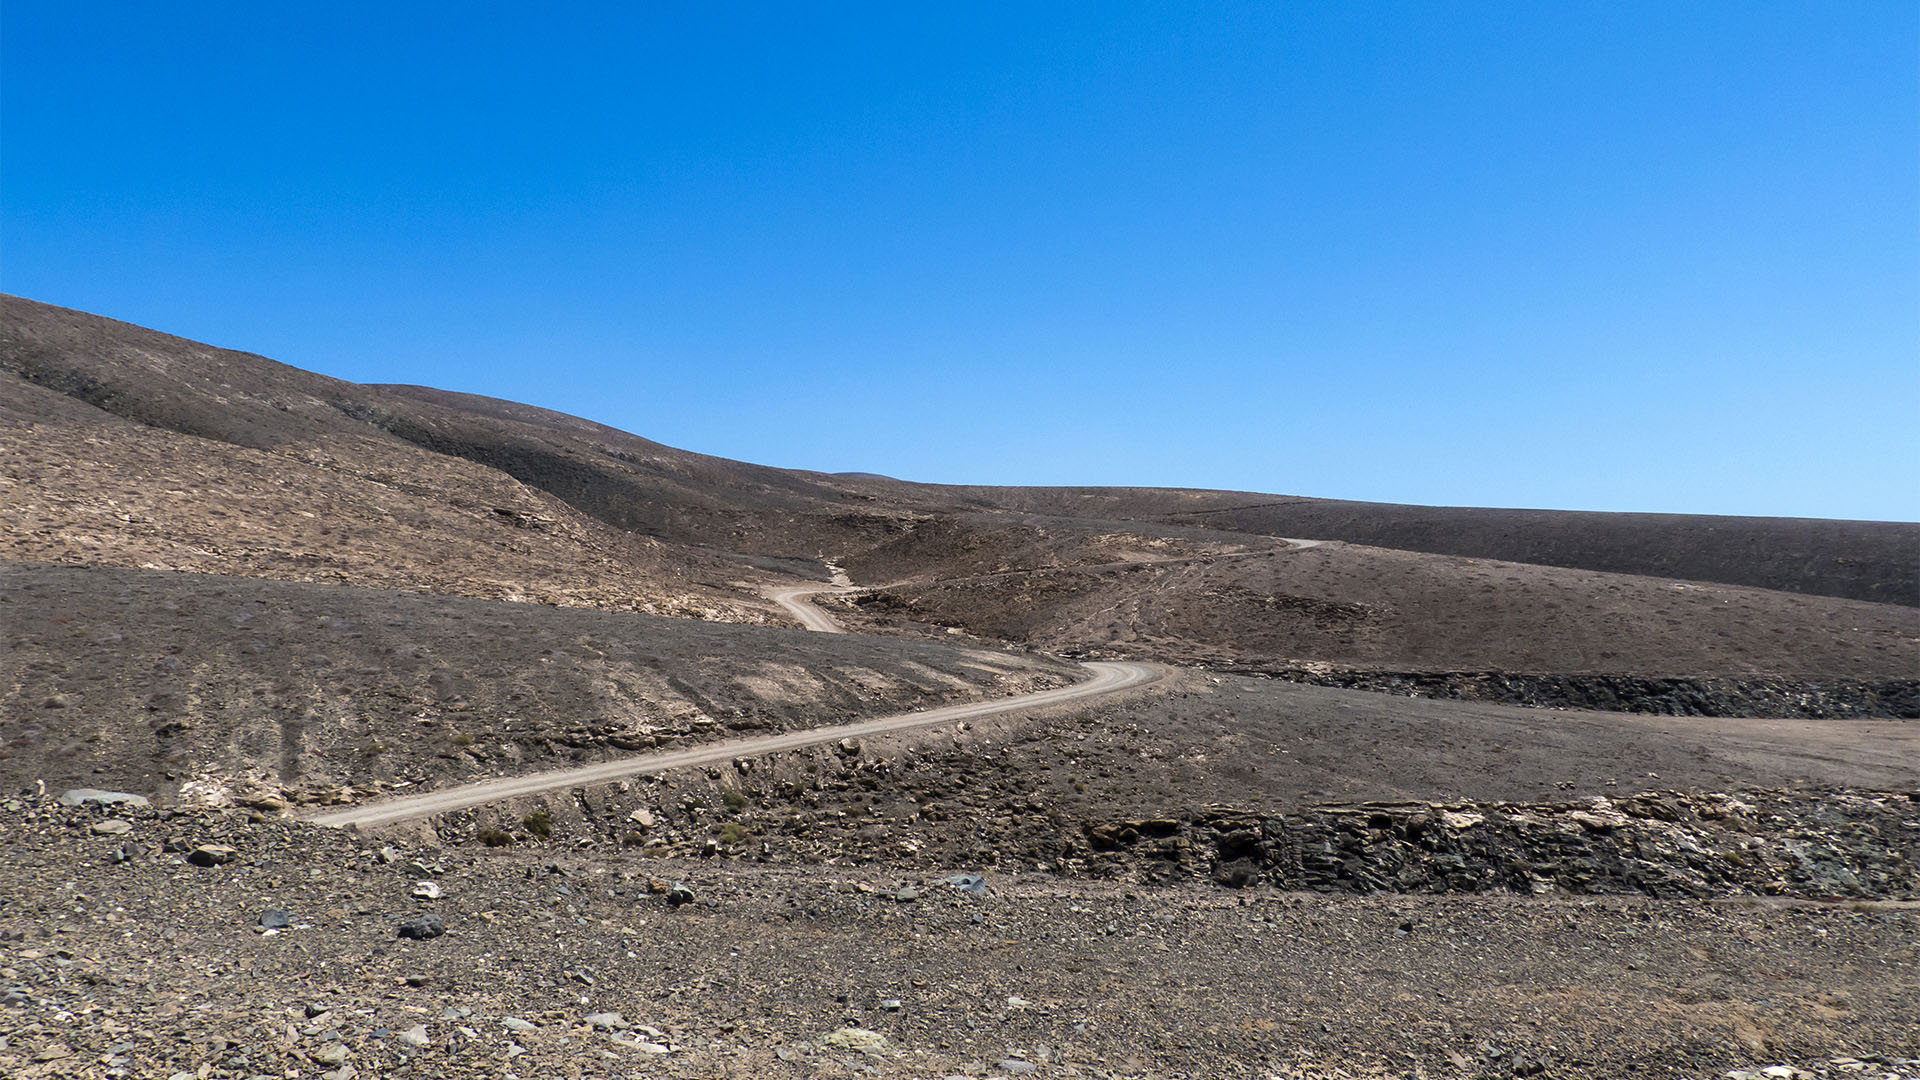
(794, 602)
(1107, 678)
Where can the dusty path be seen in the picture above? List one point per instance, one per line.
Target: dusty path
(1107, 678)
(794, 602)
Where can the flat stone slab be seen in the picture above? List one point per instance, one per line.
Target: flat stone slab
(79, 795)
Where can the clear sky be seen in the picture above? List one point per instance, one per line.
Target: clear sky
(1616, 255)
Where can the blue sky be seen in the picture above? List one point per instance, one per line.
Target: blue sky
(1620, 256)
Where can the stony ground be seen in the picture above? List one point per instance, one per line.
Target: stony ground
(123, 957)
(276, 589)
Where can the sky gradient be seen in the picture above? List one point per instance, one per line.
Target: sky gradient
(1614, 256)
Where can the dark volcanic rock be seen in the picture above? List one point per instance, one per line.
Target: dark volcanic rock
(1863, 845)
(423, 927)
(1759, 696)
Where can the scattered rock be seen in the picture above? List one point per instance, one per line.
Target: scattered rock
(275, 919)
(606, 1021)
(971, 884)
(78, 796)
(680, 893)
(426, 890)
(212, 855)
(113, 827)
(859, 1040)
(415, 1036)
(423, 927)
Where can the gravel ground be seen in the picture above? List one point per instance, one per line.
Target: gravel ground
(123, 958)
(1213, 877)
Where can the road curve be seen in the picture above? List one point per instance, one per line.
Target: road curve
(1108, 678)
(794, 602)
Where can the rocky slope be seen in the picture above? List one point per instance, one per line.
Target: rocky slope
(282, 691)
(1373, 608)
(1857, 560)
(1345, 850)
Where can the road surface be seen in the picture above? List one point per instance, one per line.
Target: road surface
(794, 602)
(1108, 678)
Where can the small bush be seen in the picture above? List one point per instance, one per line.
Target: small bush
(733, 834)
(494, 837)
(462, 739)
(633, 839)
(539, 823)
(735, 801)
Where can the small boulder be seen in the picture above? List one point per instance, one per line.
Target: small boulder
(423, 927)
(971, 884)
(681, 893)
(113, 827)
(275, 919)
(212, 855)
(426, 890)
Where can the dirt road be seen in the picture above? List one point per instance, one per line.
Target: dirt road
(794, 602)
(1107, 678)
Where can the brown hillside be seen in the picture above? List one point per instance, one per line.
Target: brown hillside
(135, 448)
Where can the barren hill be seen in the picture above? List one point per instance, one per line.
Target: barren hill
(140, 449)
(1858, 560)
(224, 580)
